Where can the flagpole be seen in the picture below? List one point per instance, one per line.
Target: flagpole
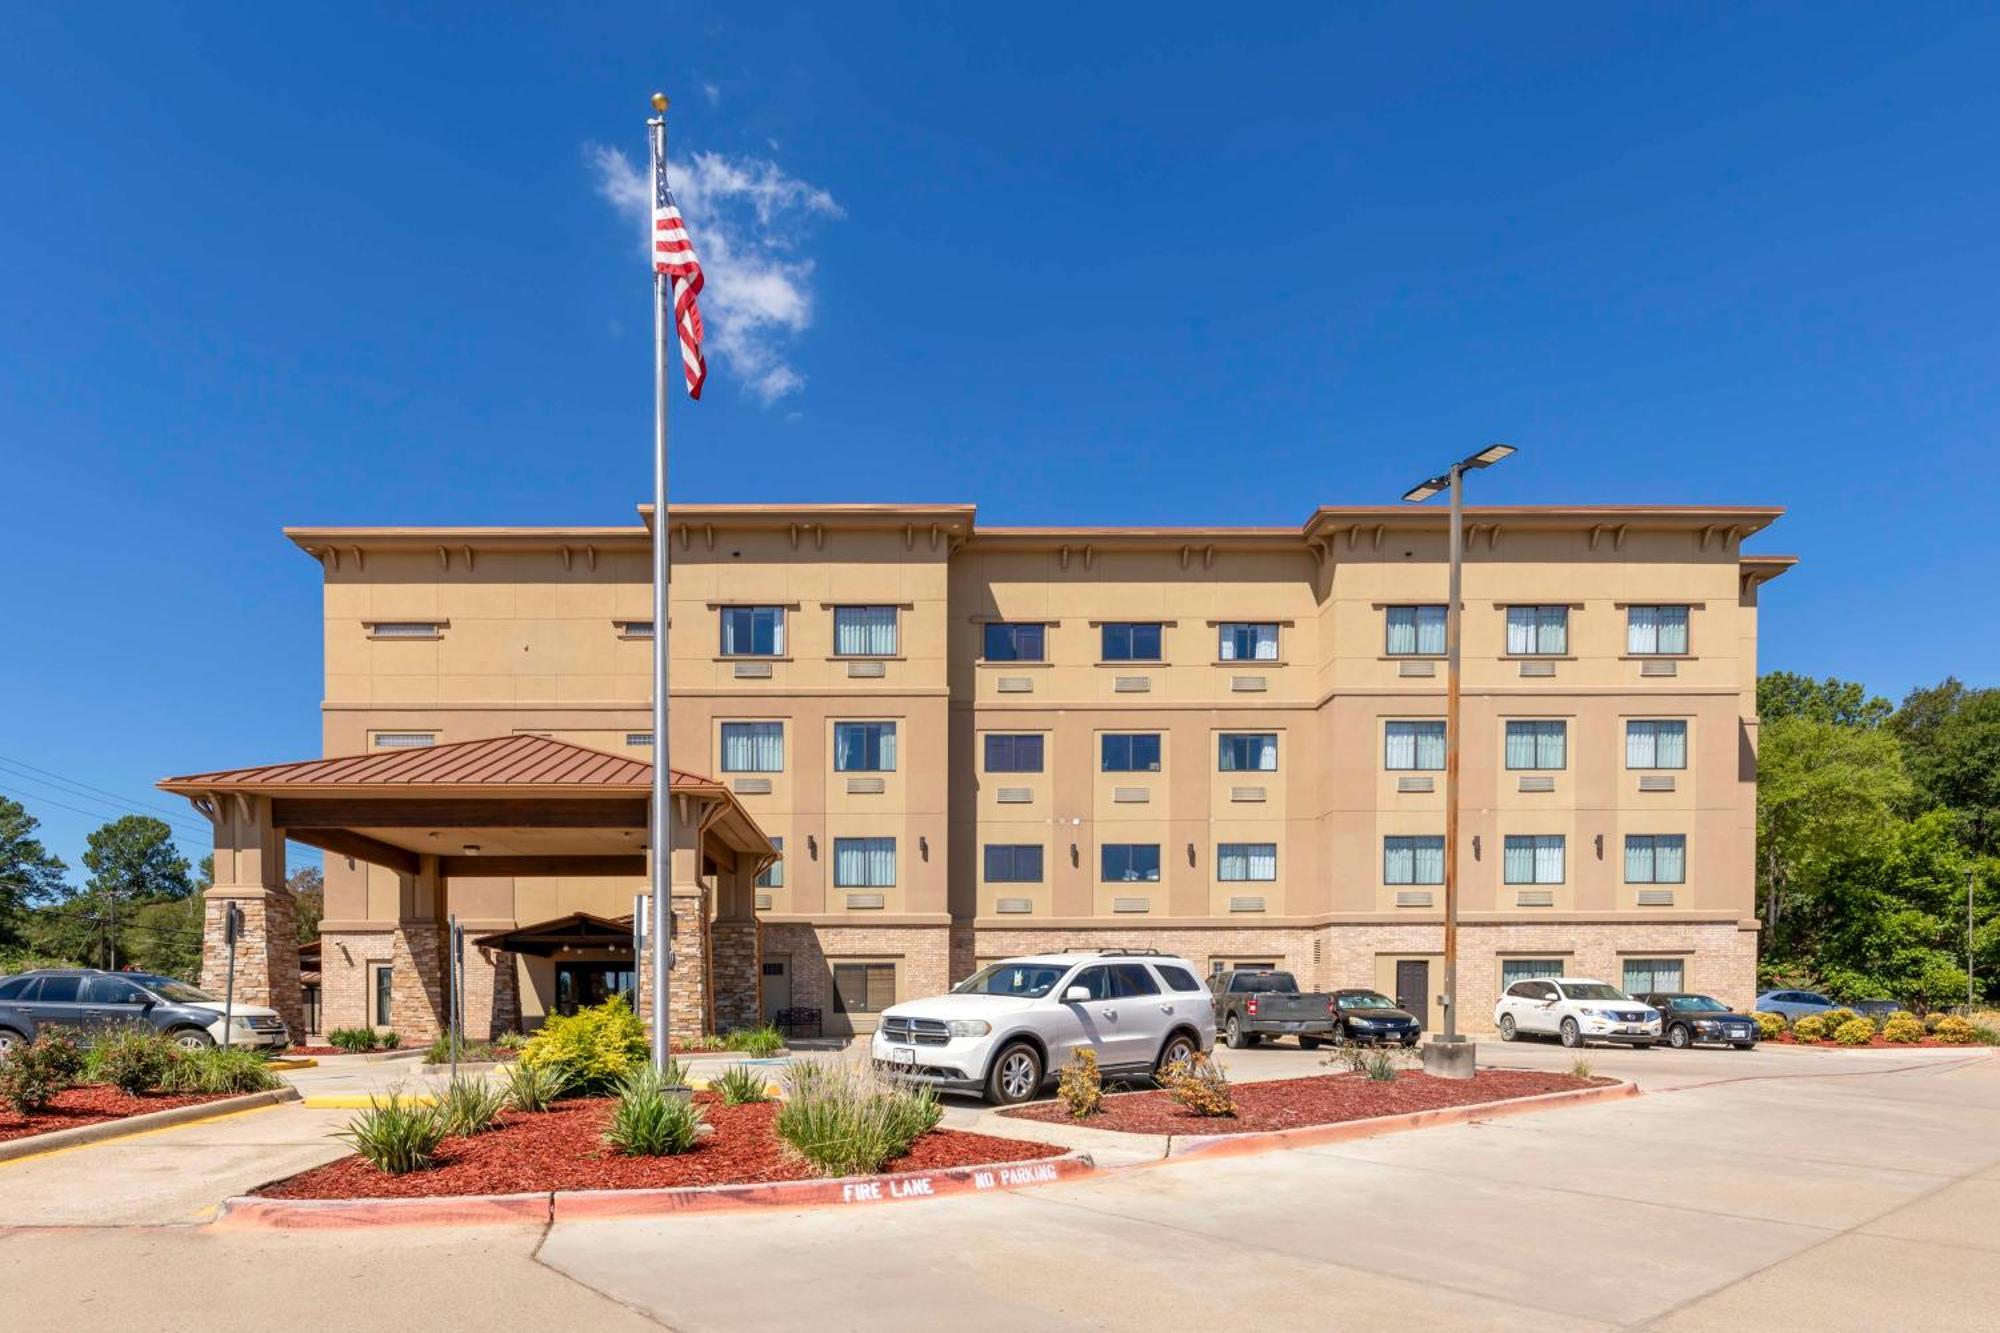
(660, 837)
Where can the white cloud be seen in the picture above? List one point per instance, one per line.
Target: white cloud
(748, 219)
(712, 93)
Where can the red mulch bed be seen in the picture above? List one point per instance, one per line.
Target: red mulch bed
(1323, 1099)
(564, 1149)
(315, 1050)
(93, 1105)
(1879, 1044)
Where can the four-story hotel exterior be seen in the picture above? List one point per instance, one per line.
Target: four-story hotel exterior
(914, 743)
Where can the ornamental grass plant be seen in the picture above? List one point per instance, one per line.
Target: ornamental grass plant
(847, 1120)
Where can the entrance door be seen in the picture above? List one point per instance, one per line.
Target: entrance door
(582, 985)
(1413, 988)
(777, 985)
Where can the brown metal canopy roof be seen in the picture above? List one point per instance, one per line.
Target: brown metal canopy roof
(520, 764)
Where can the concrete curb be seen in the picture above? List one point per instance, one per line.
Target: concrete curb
(36, 1144)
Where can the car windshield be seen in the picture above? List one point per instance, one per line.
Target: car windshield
(175, 992)
(1264, 981)
(1701, 1003)
(1029, 980)
(1365, 1002)
(1591, 990)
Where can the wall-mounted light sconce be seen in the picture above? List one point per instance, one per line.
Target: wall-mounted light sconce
(1190, 853)
(1600, 846)
(924, 848)
(1074, 859)
(470, 849)
(350, 863)
(1475, 846)
(812, 846)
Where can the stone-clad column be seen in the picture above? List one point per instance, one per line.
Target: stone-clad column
(250, 872)
(737, 969)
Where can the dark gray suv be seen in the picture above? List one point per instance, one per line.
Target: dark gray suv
(80, 1002)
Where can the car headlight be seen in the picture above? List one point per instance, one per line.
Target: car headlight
(1588, 1012)
(239, 1023)
(1706, 1025)
(970, 1027)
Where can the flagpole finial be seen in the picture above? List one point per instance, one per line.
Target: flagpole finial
(659, 101)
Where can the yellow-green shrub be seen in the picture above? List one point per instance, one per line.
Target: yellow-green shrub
(1813, 1028)
(1080, 1086)
(1956, 1031)
(1770, 1027)
(592, 1049)
(1855, 1032)
(1837, 1018)
(1903, 1029)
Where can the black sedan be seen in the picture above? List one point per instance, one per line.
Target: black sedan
(1366, 1016)
(1688, 1019)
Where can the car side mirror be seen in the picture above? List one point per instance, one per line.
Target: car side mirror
(1402, 1003)
(1077, 995)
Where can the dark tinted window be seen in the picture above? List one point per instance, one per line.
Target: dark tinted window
(17, 988)
(1130, 979)
(1096, 980)
(1013, 754)
(1014, 643)
(1178, 978)
(1264, 981)
(111, 990)
(59, 990)
(1131, 643)
(1132, 754)
(1013, 863)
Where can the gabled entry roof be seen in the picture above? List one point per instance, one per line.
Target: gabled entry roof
(521, 764)
(578, 930)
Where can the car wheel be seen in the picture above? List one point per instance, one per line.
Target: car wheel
(1409, 1043)
(1016, 1075)
(1507, 1032)
(10, 1041)
(1678, 1037)
(1308, 1043)
(1572, 1035)
(1179, 1047)
(191, 1039)
(1233, 1034)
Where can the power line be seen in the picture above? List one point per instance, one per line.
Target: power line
(10, 762)
(187, 826)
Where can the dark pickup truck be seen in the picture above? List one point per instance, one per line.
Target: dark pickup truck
(1251, 1005)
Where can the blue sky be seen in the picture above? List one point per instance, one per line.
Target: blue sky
(270, 265)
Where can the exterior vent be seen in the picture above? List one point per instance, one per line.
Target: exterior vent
(1015, 685)
(867, 669)
(1656, 782)
(406, 740)
(1246, 793)
(763, 902)
(1538, 668)
(866, 786)
(1416, 668)
(1246, 904)
(751, 786)
(1413, 897)
(1133, 684)
(1131, 904)
(1132, 795)
(1535, 898)
(1415, 784)
(1538, 784)
(1659, 668)
(1015, 905)
(753, 670)
(1017, 796)
(405, 629)
(1248, 684)
(863, 901)
(1656, 897)
(638, 738)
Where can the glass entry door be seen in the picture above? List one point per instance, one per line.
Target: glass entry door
(581, 985)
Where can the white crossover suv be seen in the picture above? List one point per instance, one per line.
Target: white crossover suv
(1006, 1030)
(1576, 1010)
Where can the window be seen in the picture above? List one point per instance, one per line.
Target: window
(753, 631)
(1653, 974)
(1413, 860)
(1179, 979)
(59, 990)
(1131, 980)
(1523, 969)
(864, 747)
(1013, 754)
(1123, 642)
(16, 988)
(1537, 745)
(864, 631)
(1656, 858)
(864, 863)
(1009, 642)
(1656, 745)
(405, 740)
(1247, 752)
(1413, 746)
(863, 988)
(773, 876)
(1652, 631)
(1247, 861)
(1416, 631)
(1247, 641)
(753, 747)
(406, 629)
(1537, 629)
(1533, 858)
(1130, 862)
(381, 1012)
(1131, 753)
(1096, 980)
(111, 990)
(1013, 863)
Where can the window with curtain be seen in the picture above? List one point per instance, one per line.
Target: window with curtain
(1643, 975)
(1129, 862)
(1247, 641)
(864, 631)
(1413, 746)
(1138, 753)
(1413, 860)
(384, 1006)
(1013, 753)
(864, 863)
(864, 747)
(1528, 969)
(1248, 752)
(1416, 631)
(1130, 642)
(1013, 863)
(1532, 858)
(774, 877)
(753, 631)
(1537, 744)
(864, 988)
(1655, 630)
(1656, 858)
(1656, 744)
(1009, 642)
(1246, 861)
(1537, 629)
(753, 747)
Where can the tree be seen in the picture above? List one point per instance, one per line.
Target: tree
(1951, 741)
(1844, 703)
(132, 862)
(308, 886)
(29, 872)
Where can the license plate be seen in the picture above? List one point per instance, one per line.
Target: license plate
(904, 1056)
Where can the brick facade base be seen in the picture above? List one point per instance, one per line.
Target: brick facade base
(738, 974)
(267, 955)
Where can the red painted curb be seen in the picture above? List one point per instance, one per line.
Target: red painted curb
(1306, 1136)
(247, 1211)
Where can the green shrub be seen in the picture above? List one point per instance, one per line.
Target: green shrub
(1933, 1018)
(593, 1047)
(469, 1052)
(1835, 1017)
(1770, 1027)
(1903, 1030)
(1855, 1032)
(1379, 1066)
(352, 1039)
(1199, 1084)
(510, 1041)
(758, 1041)
(739, 1084)
(470, 1106)
(1900, 1014)
(652, 1120)
(219, 1069)
(1955, 1031)
(533, 1087)
(1581, 1067)
(388, 1040)
(1811, 1028)
(396, 1136)
(31, 1077)
(846, 1121)
(1079, 1086)
(132, 1060)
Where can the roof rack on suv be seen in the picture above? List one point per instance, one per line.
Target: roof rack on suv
(1121, 952)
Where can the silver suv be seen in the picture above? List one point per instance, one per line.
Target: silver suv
(80, 1002)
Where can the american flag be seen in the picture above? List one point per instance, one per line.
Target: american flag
(673, 255)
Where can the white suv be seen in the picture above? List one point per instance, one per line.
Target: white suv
(1577, 1010)
(1006, 1030)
